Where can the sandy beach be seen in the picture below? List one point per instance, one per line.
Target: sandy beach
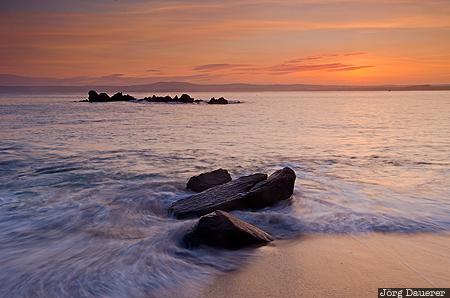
(340, 266)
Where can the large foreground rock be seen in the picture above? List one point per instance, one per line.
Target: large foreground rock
(279, 186)
(254, 191)
(207, 180)
(226, 197)
(221, 229)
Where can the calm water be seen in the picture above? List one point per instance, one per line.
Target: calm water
(84, 188)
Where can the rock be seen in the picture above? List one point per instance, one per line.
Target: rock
(95, 97)
(221, 229)
(103, 97)
(228, 196)
(92, 95)
(207, 180)
(120, 97)
(219, 101)
(186, 98)
(248, 192)
(279, 186)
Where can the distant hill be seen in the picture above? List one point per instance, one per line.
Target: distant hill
(7, 87)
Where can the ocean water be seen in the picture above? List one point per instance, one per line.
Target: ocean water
(85, 187)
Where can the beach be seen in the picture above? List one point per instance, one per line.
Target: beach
(340, 266)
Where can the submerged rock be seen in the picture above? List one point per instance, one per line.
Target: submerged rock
(207, 180)
(248, 192)
(218, 101)
(221, 229)
(228, 196)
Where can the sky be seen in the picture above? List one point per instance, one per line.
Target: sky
(347, 42)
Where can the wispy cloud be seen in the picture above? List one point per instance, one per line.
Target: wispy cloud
(218, 66)
(323, 62)
(350, 68)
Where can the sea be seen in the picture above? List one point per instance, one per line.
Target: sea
(85, 187)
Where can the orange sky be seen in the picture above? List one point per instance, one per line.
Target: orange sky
(311, 42)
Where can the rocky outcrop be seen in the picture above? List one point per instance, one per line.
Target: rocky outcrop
(207, 180)
(120, 97)
(248, 192)
(184, 98)
(228, 196)
(221, 229)
(103, 97)
(93, 96)
(218, 101)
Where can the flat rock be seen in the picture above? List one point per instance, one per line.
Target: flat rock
(226, 197)
(207, 180)
(249, 192)
(221, 229)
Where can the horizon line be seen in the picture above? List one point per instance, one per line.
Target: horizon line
(180, 86)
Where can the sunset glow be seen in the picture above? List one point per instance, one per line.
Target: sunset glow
(311, 42)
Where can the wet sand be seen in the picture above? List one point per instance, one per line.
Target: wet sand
(340, 266)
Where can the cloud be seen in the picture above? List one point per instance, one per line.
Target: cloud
(109, 80)
(324, 62)
(350, 68)
(217, 66)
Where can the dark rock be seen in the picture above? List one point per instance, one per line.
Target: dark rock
(103, 97)
(249, 192)
(120, 97)
(228, 196)
(207, 180)
(95, 97)
(221, 229)
(92, 95)
(186, 98)
(219, 101)
(279, 186)
(167, 99)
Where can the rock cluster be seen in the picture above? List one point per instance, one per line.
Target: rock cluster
(185, 98)
(218, 101)
(248, 192)
(219, 228)
(93, 96)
